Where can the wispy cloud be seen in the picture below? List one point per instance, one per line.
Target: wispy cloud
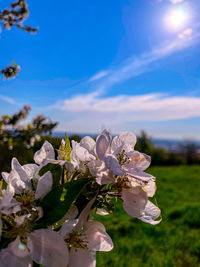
(149, 107)
(176, 1)
(135, 66)
(7, 99)
(99, 75)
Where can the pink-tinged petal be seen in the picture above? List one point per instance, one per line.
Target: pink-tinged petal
(5, 176)
(45, 153)
(8, 259)
(82, 258)
(7, 195)
(125, 140)
(96, 237)
(102, 212)
(138, 160)
(134, 201)
(150, 188)
(102, 147)
(84, 216)
(88, 143)
(44, 185)
(81, 153)
(48, 248)
(113, 165)
(18, 248)
(150, 214)
(20, 171)
(98, 169)
(67, 227)
(31, 170)
(140, 175)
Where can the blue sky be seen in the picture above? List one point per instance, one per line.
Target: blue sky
(121, 65)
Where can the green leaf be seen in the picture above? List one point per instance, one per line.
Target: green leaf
(67, 147)
(57, 202)
(56, 171)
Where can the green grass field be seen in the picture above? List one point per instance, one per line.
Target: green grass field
(175, 241)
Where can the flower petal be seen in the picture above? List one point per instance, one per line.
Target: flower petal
(18, 248)
(48, 248)
(150, 188)
(8, 259)
(67, 227)
(125, 140)
(82, 258)
(88, 143)
(20, 171)
(113, 165)
(81, 153)
(150, 213)
(96, 237)
(102, 147)
(84, 216)
(44, 185)
(134, 201)
(31, 170)
(46, 152)
(98, 169)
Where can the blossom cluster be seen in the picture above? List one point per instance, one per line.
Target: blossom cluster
(47, 208)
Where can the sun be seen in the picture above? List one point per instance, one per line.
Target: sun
(176, 18)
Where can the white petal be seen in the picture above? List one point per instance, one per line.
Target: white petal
(46, 152)
(18, 248)
(5, 176)
(82, 258)
(67, 227)
(31, 170)
(7, 195)
(125, 140)
(150, 188)
(20, 171)
(8, 259)
(140, 175)
(113, 165)
(48, 248)
(44, 185)
(84, 216)
(107, 134)
(102, 212)
(96, 237)
(102, 147)
(138, 160)
(98, 169)
(88, 143)
(81, 153)
(134, 201)
(150, 213)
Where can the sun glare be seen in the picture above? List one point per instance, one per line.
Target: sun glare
(176, 18)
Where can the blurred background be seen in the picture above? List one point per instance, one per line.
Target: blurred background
(126, 65)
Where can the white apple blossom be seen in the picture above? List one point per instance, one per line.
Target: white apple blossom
(20, 178)
(119, 155)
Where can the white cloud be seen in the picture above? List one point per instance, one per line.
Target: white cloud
(149, 107)
(7, 99)
(176, 1)
(99, 75)
(135, 66)
(185, 34)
